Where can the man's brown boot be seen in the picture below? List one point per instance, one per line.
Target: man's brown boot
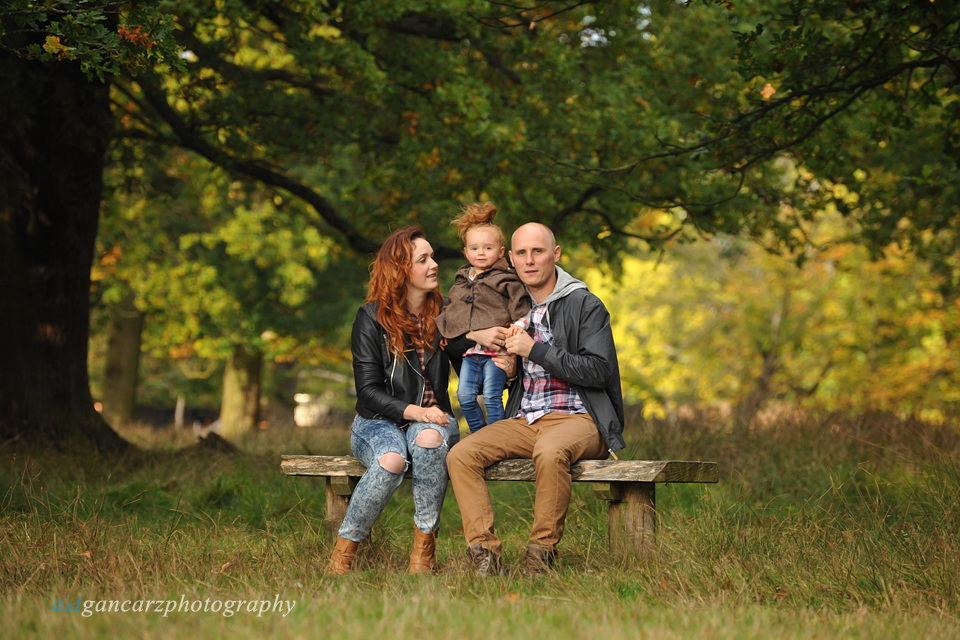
(342, 556)
(487, 563)
(538, 560)
(424, 556)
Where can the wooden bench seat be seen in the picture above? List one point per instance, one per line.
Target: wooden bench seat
(629, 486)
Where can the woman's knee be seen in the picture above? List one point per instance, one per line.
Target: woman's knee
(393, 462)
(429, 439)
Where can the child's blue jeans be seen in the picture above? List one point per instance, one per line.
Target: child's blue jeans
(481, 373)
(370, 440)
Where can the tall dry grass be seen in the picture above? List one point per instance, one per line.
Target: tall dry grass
(820, 526)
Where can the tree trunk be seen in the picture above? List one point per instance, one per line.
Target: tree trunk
(123, 362)
(54, 135)
(749, 406)
(179, 410)
(240, 407)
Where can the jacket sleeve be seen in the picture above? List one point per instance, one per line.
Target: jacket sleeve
(370, 371)
(455, 349)
(518, 300)
(451, 320)
(594, 358)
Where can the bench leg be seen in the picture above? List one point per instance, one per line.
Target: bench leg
(632, 516)
(338, 492)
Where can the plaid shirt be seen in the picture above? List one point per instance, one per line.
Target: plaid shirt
(429, 398)
(542, 392)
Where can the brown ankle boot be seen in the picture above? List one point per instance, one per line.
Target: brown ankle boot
(342, 556)
(423, 559)
(487, 563)
(539, 560)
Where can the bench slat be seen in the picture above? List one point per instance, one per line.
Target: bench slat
(321, 466)
(522, 470)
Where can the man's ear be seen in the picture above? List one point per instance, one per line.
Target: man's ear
(556, 254)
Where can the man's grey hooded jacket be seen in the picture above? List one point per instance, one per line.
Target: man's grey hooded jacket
(583, 355)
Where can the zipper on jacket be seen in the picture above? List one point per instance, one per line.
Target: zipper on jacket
(393, 369)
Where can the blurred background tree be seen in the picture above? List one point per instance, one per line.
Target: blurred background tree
(728, 325)
(225, 271)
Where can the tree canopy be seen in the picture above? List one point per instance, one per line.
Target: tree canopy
(582, 115)
(653, 120)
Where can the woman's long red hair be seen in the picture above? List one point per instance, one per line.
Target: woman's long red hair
(388, 286)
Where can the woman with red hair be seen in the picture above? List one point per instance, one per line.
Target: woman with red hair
(404, 419)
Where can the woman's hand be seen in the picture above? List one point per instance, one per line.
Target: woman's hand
(434, 415)
(491, 338)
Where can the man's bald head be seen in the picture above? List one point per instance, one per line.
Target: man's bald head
(549, 239)
(534, 253)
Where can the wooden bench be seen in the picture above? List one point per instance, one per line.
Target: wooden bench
(629, 486)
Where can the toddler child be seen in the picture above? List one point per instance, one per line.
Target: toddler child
(486, 293)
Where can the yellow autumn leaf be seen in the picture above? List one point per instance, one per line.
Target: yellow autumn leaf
(325, 31)
(53, 46)
(767, 91)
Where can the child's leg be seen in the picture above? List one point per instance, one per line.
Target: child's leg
(467, 391)
(494, 381)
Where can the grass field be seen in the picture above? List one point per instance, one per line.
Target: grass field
(819, 528)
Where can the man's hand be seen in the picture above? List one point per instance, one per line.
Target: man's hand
(518, 342)
(491, 338)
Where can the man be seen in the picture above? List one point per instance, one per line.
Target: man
(564, 406)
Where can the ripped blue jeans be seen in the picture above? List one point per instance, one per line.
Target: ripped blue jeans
(370, 440)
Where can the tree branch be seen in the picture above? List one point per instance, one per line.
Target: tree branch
(190, 139)
(210, 59)
(424, 25)
(577, 206)
(655, 239)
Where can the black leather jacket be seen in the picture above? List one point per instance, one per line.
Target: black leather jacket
(387, 384)
(584, 355)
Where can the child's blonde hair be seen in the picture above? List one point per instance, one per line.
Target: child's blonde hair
(478, 215)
